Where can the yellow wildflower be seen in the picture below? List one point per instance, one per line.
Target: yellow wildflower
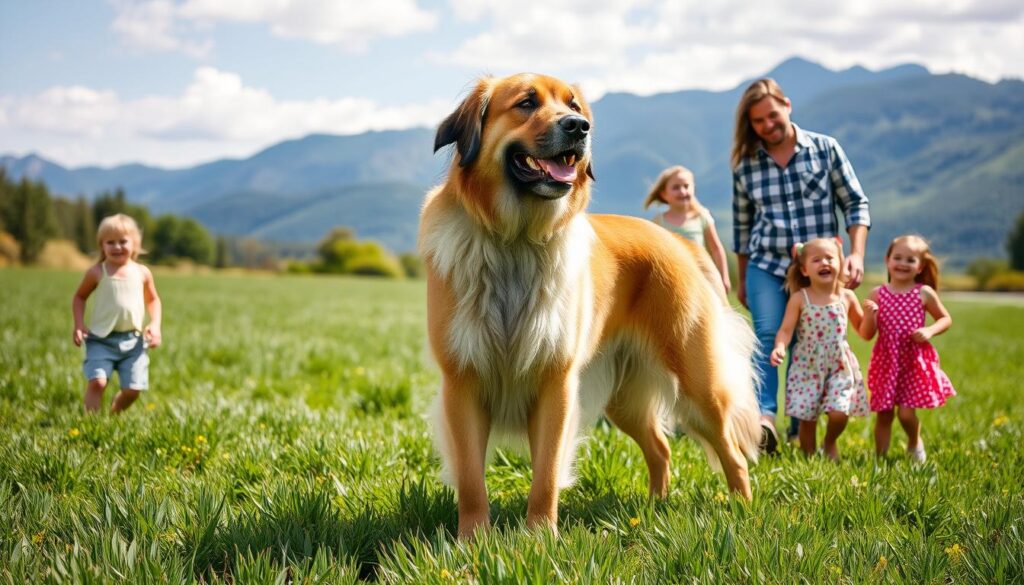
(151, 406)
(445, 574)
(74, 433)
(881, 564)
(955, 552)
(720, 497)
(360, 371)
(37, 538)
(634, 522)
(1000, 420)
(200, 439)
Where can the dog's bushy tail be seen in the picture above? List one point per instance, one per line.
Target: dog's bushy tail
(737, 345)
(733, 346)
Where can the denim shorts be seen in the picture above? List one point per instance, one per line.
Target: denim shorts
(124, 351)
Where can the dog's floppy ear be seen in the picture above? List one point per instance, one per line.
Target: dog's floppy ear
(464, 126)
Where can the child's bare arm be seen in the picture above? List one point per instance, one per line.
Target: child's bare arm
(785, 332)
(718, 254)
(85, 288)
(153, 307)
(938, 311)
(854, 310)
(869, 324)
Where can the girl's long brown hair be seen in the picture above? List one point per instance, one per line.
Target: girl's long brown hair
(929, 264)
(745, 140)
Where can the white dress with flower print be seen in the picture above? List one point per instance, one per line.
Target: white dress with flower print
(824, 374)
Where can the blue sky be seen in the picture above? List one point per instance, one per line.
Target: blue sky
(177, 82)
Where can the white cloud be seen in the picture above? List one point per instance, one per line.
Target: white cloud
(664, 45)
(351, 24)
(216, 115)
(154, 25)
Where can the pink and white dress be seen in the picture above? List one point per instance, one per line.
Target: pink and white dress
(903, 372)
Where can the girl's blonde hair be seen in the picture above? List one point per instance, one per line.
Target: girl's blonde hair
(117, 225)
(796, 280)
(929, 264)
(654, 195)
(745, 141)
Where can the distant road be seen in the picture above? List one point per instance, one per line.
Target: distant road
(1004, 298)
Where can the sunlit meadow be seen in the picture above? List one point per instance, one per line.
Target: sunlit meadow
(284, 440)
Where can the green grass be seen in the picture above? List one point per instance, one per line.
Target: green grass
(284, 440)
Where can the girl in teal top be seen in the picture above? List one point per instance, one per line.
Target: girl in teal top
(686, 216)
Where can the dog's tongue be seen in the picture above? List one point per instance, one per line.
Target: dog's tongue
(558, 171)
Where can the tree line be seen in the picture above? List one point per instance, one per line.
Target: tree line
(31, 215)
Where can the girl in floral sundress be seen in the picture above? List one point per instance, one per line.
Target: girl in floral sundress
(904, 373)
(824, 376)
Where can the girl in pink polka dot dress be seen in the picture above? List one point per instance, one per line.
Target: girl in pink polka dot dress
(824, 376)
(904, 373)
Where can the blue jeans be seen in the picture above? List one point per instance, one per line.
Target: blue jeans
(766, 299)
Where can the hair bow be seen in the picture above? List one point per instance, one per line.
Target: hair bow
(797, 249)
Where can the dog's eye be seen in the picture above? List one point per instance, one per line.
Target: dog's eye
(527, 103)
(575, 106)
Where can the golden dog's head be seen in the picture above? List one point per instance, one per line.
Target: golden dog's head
(523, 152)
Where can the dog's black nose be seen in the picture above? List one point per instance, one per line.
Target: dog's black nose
(575, 126)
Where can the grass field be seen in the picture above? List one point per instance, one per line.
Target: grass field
(284, 440)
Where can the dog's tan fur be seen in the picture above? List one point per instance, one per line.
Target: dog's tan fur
(541, 316)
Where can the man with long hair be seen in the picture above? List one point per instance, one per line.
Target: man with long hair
(787, 183)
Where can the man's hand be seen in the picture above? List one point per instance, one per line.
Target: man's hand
(79, 336)
(854, 270)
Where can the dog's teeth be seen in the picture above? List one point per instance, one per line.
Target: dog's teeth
(532, 163)
(570, 160)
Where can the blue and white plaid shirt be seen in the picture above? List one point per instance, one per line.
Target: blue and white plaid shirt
(773, 207)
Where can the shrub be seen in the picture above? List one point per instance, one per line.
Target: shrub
(1009, 281)
(10, 251)
(375, 265)
(412, 264)
(983, 269)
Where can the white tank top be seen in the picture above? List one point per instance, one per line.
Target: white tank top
(119, 304)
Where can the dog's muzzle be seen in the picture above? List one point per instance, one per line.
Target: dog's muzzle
(549, 170)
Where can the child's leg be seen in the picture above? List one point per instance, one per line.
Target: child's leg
(808, 436)
(124, 399)
(94, 394)
(836, 425)
(883, 431)
(911, 424)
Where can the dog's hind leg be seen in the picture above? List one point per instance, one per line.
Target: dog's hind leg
(635, 409)
(647, 433)
(715, 376)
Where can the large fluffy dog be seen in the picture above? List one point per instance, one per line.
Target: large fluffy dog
(542, 316)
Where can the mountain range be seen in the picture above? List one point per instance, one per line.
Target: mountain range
(939, 155)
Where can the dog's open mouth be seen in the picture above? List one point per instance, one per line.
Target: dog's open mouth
(561, 168)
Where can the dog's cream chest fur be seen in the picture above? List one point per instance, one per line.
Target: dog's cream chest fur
(519, 306)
